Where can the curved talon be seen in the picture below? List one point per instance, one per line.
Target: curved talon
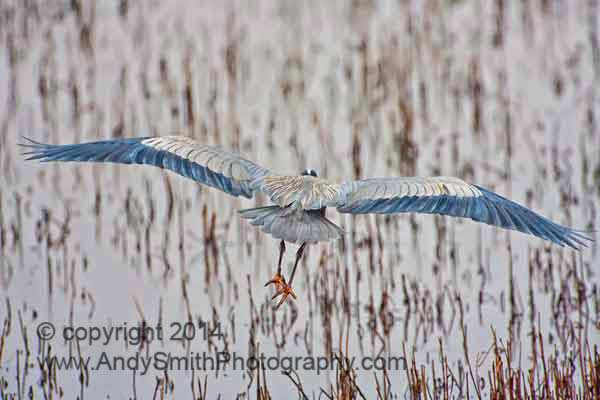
(282, 289)
(286, 291)
(277, 280)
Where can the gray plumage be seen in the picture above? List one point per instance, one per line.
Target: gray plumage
(300, 201)
(291, 225)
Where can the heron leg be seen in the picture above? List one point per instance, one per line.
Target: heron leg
(281, 251)
(278, 280)
(298, 257)
(281, 286)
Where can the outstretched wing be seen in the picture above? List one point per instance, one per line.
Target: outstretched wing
(450, 196)
(205, 164)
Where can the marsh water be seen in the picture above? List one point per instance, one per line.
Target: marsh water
(502, 94)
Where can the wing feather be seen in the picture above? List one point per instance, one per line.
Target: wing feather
(452, 197)
(208, 165)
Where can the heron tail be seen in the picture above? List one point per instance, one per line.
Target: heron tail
(294, 226)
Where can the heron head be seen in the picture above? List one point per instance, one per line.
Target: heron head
(310, 172)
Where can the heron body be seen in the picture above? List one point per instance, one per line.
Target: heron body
(297, 214)
(293, 225)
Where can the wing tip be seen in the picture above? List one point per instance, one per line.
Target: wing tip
(30, 140)
(580, 238)
(546, 229)
(32, 149)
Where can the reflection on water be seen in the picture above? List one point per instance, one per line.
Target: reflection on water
(501, 95)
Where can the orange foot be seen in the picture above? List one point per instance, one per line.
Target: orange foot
(282, 288)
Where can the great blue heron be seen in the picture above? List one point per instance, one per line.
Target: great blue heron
(300, 201)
